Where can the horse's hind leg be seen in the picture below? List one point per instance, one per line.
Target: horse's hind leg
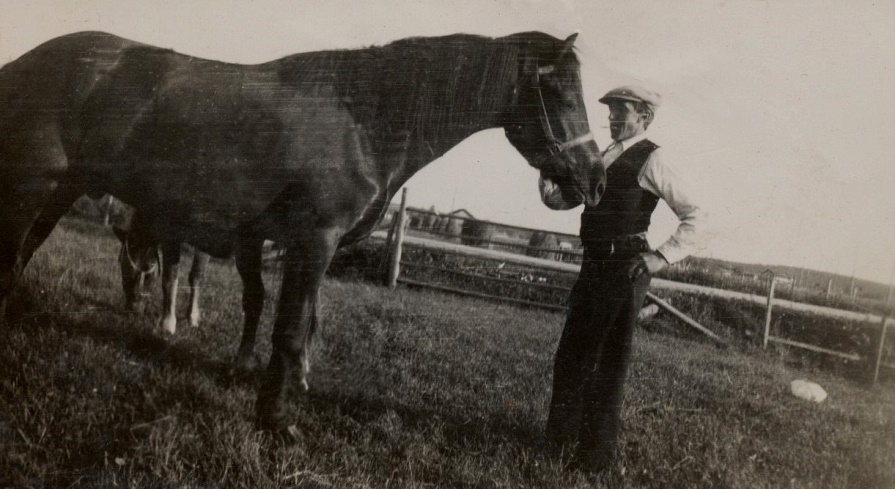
(13, 232)
(26, 220)
(47, 220)
(248, 264)
(197, 274)
(305, 266)
(170, 271)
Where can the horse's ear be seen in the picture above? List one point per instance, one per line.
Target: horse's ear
(568, 46)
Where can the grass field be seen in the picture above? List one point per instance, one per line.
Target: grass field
(409, 389)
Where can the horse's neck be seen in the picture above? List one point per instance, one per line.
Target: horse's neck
(464, 91)
(416, 98)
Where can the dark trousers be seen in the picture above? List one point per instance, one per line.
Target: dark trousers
(593, 357)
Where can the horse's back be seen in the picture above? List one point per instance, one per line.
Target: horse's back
(57, 71)
(42, 94)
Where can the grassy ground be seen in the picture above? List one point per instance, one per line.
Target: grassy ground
(409, 389)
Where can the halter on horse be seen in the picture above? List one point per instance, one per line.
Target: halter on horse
(140, 259)
(138, 269)
(306, 150)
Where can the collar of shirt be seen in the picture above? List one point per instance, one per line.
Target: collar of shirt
(631, 141)
(614, 150)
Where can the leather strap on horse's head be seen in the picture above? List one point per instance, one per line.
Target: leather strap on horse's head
(125, 250)
(555, 146)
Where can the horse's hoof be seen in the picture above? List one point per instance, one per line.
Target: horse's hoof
(169, 325)
(279, 431)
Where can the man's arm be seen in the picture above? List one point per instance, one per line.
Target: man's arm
(661, 179)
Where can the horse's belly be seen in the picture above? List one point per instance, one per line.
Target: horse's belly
(221, 161)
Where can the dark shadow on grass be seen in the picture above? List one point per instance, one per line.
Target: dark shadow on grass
(88, 450)
(129, 333)
(458, 431)
(154, 349)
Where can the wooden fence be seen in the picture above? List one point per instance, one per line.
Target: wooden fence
(397, 238)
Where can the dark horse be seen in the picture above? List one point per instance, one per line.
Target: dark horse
(140, 259)
(305, 151)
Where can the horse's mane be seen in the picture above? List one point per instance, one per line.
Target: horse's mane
(421, 83)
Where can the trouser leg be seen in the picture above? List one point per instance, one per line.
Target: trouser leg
(603, 391)
(570, 363)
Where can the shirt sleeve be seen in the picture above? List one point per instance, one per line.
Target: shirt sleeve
(660, 178)
(551, 195)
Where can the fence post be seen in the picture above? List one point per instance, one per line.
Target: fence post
(395, 268)
(385, 264)
(880, 348)
(767, 318)
(108, 210)
(390, 237)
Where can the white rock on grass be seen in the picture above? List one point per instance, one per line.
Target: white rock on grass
(808, 390)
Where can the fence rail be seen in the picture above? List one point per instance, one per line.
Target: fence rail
(871, 322)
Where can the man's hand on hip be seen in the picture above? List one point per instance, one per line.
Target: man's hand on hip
(651, 263)
(654, 262)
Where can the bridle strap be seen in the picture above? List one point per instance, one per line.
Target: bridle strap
(133, 263)
(582, 139)
(555, 146)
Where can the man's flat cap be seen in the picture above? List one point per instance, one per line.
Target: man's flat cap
(634, 93)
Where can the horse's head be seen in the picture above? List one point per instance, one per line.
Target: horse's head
(139, 259)
(547, 122)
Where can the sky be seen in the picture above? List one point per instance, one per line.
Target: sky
(781, 114)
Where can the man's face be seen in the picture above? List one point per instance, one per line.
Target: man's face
(624, 121)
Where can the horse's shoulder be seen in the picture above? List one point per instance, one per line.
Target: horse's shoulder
(84, 42)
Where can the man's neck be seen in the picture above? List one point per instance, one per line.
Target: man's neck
(627, 143)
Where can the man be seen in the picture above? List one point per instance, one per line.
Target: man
(594, 350)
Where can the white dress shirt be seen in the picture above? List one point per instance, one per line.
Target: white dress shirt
(659, 178)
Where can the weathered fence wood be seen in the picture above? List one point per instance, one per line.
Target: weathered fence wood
(479, 294)
(769, 301)
(108, 213)
(683, 317)
(395, 268)
(487, 254)
(817, 349)
(767, 316)
(486, 277)
(880, 348)
(657, 283)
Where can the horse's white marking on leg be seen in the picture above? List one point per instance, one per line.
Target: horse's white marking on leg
(194, 306)
(169, 323)
(169, 320)
(305, 364)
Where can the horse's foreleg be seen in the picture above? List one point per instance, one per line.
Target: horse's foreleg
(296, 320)
(248, 264)
(47, 220)
(20, 207)
(170, 264)
(197, 274)
(12, 238)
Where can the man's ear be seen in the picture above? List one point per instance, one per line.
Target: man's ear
(643, 116)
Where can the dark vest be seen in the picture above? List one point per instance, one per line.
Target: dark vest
(625, 207)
